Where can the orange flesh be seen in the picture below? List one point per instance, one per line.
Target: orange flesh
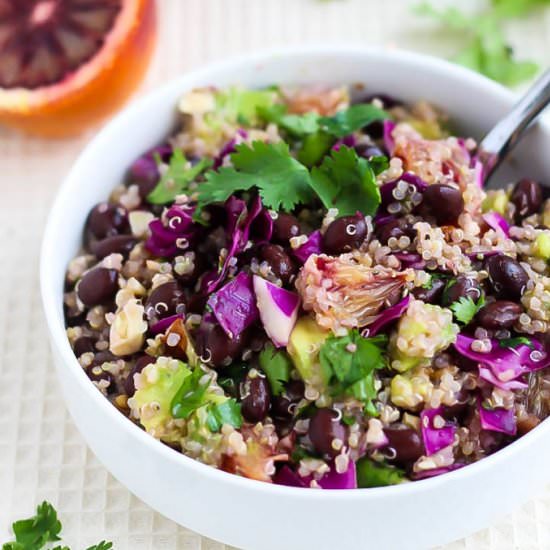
(67, 114)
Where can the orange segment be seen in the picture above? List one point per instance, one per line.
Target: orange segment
(86, 58)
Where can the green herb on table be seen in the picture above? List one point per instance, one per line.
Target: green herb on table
(37, 531)
(486, 49)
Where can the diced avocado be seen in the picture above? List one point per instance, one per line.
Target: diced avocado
(496, 201)
(303, 347)
(542, 245)
(375, 474)
(151, 403)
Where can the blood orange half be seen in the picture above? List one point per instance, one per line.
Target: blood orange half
(65, 64)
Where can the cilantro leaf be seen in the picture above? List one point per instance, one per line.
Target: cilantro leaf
(191, 395)
(517, 8)
(297, 125)
(276, 365)
(177, 178)
(515, 342)
(314, 148)
(242, 105)
(346, 182)
(282, 181)
(226, 412)
(103, 545)
(33, 533)
(486, 49)
(465, 308)
(350, 120)
(351, 359)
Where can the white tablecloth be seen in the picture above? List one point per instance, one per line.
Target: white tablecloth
(42, 456)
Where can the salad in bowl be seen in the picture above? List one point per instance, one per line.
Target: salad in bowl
(310, 286)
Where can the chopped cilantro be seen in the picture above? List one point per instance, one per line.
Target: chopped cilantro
(377, 474)
(347, 182)
(282, 181)
(297, 125)
(350, 120)
(177, 178)
(515, 342)
(351, 361)
(226, 412)
(191, 395)
(314, 148)
(276, 365)
(349, 420)
(242, 105)
(486, 49)
(465, 308)
(379, 164)
(231, 377)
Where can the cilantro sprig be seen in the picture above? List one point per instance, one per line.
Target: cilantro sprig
(515, 342)
(486, 49)
(344, 180)
(193, 394)
(44, 527)
(350, 362)
(277, 366)
(177, 178)
(465, 309)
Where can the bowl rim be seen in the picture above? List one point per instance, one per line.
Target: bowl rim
(55, 322)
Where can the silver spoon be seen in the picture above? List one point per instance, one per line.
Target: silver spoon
(505, 135)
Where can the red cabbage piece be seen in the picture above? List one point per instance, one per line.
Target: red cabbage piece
(436, 471)
(229, 148)
(479, 172)
(345, 480)
(234, 305)
(386, 317)
(290, 478)
(278, 310)
(434, 438)
(498, 419)
(174, 232)
(487, 374)
(311, 246)
(163, 324)
(389, 143)
(497, 222)
(386, 190)
(506, 363)
(242, 224)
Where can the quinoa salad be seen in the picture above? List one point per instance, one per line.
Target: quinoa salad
(311, 287)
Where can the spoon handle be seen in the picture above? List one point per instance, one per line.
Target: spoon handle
(504, 136)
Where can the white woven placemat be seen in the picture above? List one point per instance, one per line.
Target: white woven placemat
(42, 456)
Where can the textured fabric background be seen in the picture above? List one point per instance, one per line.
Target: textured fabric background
(42, 456)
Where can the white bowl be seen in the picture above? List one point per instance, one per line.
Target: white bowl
(248, 513)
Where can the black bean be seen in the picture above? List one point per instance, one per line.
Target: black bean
(394, 228)
(139, 365)
(388, 101)
(444, 203)
(104, 357)
(282, 265)
(368, 151)
(118, 244)
(490, 441)
(507, 276)
(97, 286)
(499, 314)
(324, 428)
(216, 348)
(458, 411)
(527, 198)
(106, 220)
(255, 398)
(167, 299)
(345, 234)
(292, 394)
(461, 287)
(285, 226)
(405, 443)
(430, 295)
(84, 344)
